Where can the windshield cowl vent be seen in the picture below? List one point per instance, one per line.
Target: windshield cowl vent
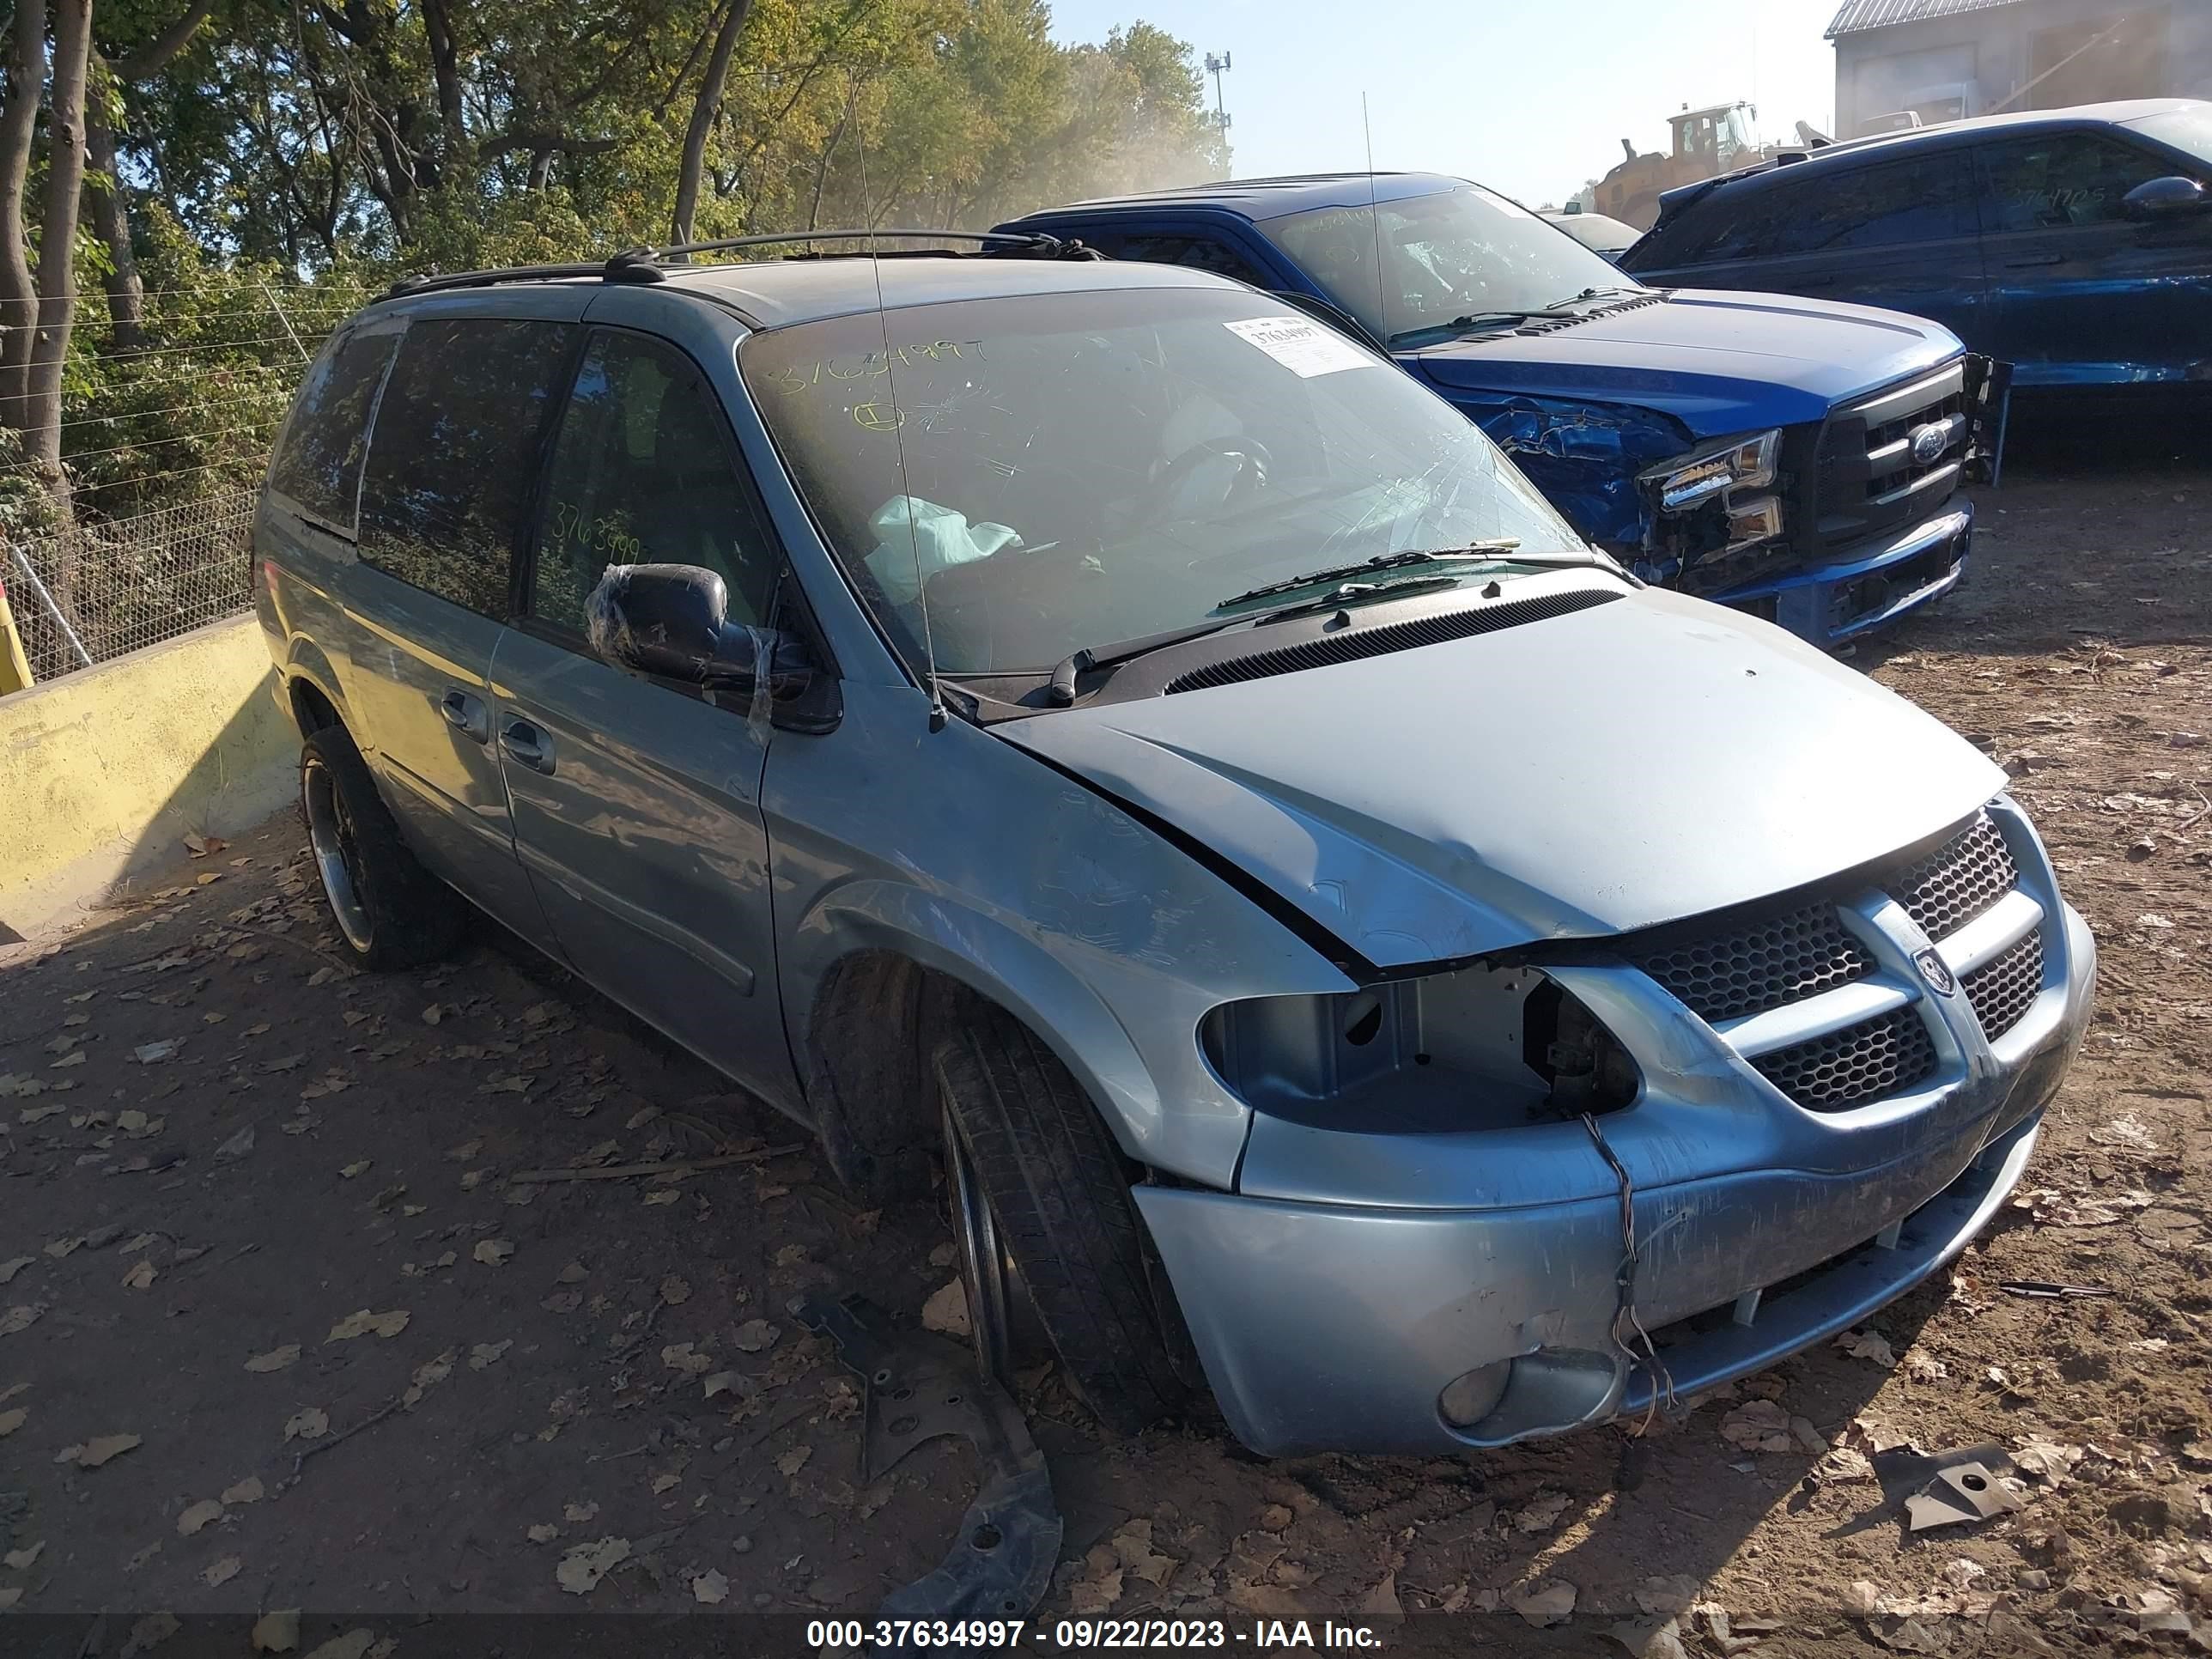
(1355, 644)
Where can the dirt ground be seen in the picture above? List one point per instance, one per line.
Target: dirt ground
(261, 1219)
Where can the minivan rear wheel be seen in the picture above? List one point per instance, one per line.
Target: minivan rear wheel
(390, 912)
(1046, 1225)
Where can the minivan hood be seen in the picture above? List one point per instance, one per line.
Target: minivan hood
(1719, 362)
(1631, 764)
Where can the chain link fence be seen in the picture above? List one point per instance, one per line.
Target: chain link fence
(98, 591)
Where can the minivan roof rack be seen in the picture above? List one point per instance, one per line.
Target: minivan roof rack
(652, 264)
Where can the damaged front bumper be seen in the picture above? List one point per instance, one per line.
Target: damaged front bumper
(1864, 588)
(1414, 1293)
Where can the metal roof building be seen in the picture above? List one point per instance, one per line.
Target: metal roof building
(1945, 59)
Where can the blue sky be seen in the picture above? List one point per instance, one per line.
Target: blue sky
(1529, 98)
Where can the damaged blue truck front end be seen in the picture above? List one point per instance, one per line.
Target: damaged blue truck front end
(1797, 459)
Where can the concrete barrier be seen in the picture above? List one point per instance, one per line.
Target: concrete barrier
(105, 771)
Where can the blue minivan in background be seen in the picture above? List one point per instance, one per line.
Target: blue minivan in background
(2074, 244)
(1797, 458)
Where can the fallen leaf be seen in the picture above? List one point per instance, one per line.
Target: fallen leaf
(1549, 1603)
(310, 1424)
(9, 1596)
(354, 1645)
(711, 1586)
(12, 1420)
(1662, 1597)
(277, 1632)
(22, 1561)
(585, 1565)
(488, 1353)
(103, 1448)
(13, 1266)
(1757, 1426)
(573, 1273)
(514, 1083)
(61, 1247)
(580, 1513)
(150, 1631)
(1133, 1548)
(140, 1276)
(248, 1491)
(543, 1533)
(662, 1483)
(794, 1460)
(663, 1195)
(20, 1318)
(1870, 1345)
(236, 1147)
(756, 1334)
(276, 1359)
(492, 1251)
(427, 1376)
(222, 1572)
(198, 1515)
(359, 1167)
(946, 1310)
(1538, 1514)
(678, 1356)
(362, 1321)
(674, 1292)
(149, 1053)
(1924, 1367)
(2046, 1458)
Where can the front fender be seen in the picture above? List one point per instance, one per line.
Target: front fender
(972, 857)
(1584, 456)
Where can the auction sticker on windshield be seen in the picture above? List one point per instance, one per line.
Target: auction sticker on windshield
(1304, 347)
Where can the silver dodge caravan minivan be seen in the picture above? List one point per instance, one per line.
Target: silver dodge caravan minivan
(1091, 728)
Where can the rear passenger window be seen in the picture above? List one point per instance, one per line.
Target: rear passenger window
(643, 473)
(1200, 252)
(320, 467)
(1728, 224)
(1925, 199)
(2068, 179)
(449, 464)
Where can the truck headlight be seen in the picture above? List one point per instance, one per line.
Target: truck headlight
(1478, 1048)
(1686, 483)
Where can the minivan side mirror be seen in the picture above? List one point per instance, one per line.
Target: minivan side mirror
(2171, 197)
(672, 621)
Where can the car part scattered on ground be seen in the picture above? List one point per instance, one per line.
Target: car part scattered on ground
(917, 1387)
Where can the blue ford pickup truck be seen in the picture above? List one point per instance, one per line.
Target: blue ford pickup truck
(1796, 458)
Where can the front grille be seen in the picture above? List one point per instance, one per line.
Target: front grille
(1730, 965)
(1876, 1057)
(2002, 990)
(1958, 881)
(1866, 479)
(1763, 965)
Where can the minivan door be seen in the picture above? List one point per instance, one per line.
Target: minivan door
(637, 802)
(445, 493)
(2082, 295)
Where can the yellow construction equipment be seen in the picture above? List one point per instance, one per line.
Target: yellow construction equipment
(15, 665)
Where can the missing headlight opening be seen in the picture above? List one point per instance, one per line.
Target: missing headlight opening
(1478, 1048)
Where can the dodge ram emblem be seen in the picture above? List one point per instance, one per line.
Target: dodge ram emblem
(1929, 441)
(1932, 969)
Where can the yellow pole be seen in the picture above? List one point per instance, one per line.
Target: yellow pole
(14, 667)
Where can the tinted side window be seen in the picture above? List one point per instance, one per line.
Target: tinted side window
(1923, 198)
(321, 466)
(644, 473)
(1200, 252)
(1728, 224)
(449, 465)
(2061, 180)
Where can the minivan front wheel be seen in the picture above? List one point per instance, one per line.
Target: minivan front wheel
(1045, 1224)
(390, 912)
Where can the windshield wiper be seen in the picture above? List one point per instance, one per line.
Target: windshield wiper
(1061, 688)
(1592, 294)
(1486, 552)
(1476, 319)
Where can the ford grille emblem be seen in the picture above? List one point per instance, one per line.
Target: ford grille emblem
(1939, 977)
(1929, 441)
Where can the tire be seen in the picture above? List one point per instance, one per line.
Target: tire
(389, 911)
(1057, 1192)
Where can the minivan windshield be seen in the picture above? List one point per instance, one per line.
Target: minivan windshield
(1058, 472)
(1450, 254)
